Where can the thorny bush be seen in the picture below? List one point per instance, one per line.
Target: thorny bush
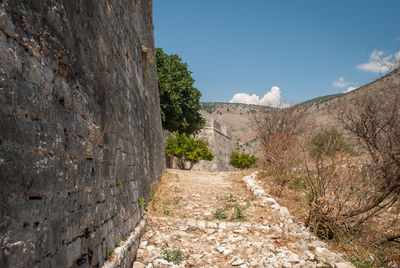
(279, 131)
(345, 192)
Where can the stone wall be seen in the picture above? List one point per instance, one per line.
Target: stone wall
(221, 144)
(80, 128)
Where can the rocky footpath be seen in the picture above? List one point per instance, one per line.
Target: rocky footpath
(264, 235)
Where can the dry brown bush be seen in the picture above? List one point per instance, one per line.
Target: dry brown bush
(337, 185)
(279, 131)
(375, 120)
(346, 193)
(352, 198)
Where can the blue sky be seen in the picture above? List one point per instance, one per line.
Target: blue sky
(298, 49)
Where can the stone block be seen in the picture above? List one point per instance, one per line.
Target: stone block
(61, 88)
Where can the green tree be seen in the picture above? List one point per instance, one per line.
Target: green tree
(179, 100)
(328, 142)
(242, 160)
(189, 149)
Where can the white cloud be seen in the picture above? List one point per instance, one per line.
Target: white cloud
(245, 98)
(340, 82)
(350, 89)
(272, 98)
(378, 63)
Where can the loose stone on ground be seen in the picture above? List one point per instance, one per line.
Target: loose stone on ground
(267, 236)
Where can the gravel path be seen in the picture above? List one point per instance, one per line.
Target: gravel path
(259, 234)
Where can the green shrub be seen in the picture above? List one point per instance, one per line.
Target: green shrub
(154, 196)
(142, 203)
(109, 251)
(298, 183)
(165, 208)
(175, 256)
(359, 262)
(220, 214)
(186, 148)
(242, 161)
(328, 142)
(238, 214)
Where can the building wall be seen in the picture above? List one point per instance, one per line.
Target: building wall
(221, 144)
(80, 128)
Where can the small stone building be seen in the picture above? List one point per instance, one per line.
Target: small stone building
(221, 144)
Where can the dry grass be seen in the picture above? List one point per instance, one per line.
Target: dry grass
(178, 190)
(185, 195)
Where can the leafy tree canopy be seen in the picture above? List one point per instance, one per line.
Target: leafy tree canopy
(179, 100)
(242, 160)
(186, 148)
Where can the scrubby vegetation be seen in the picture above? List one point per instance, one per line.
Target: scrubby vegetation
(238, 214)
(109, 252)
(208, 107)
(187, 149)
(175, 255)
(328, 142)
(236, 210)
(319, 100)
(349, 185)
(279, 131)
(242, 161)
(220, 214)
(142, 203)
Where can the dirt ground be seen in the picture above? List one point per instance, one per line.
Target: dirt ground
(183, 224)
(196, 194)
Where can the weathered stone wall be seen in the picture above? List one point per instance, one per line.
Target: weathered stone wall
(80, 129)
(221, 144)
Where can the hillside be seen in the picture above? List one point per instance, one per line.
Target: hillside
(320, 103)
(321, 110)
(238, 117)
